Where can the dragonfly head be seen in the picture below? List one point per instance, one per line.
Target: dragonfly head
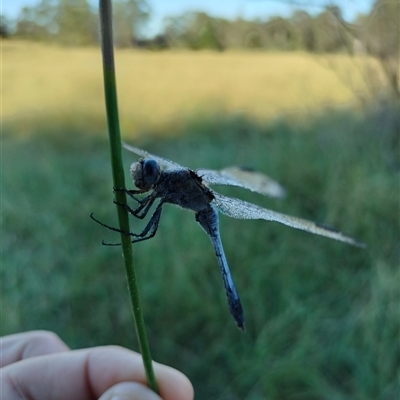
(145, 173)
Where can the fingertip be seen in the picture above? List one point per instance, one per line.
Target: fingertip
(21, 346)
(44, 342)
(126, 365)
(129, 391)
(112, 364)
(93, 372)
(173, 384)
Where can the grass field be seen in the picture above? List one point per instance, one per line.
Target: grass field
(322, 317)
(159, 89)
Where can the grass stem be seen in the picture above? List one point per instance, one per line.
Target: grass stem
(119, 181)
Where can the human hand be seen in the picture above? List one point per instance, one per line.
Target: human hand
(38, 365)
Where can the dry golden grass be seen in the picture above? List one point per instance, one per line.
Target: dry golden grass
(40, 82)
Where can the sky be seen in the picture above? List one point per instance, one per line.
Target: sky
(229, 9)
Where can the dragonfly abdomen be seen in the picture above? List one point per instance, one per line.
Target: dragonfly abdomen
(208, 219)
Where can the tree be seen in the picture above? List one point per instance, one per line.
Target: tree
(330, 35)
(281, 33)
(74, 22)
(303, 26)
(195, 31)
(378, 34)
(235, 34)
(382, 36)
(129, 18)
(37, 22)
(4, 27)
(204, 34)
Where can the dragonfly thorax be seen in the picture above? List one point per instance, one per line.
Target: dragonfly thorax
(145, 173)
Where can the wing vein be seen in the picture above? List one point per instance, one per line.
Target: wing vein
(240, 209)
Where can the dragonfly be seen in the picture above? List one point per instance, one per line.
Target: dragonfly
(171, 183)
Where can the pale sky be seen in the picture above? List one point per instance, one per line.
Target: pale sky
(230, 9)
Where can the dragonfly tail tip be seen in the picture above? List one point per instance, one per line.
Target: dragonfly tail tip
(241, 327)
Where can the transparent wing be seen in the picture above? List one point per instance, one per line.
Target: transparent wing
(163, 162)
(245, 178)
(240, 209)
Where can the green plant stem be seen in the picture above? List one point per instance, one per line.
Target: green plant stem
(119, 182)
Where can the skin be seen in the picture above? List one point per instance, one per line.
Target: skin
(39, 365)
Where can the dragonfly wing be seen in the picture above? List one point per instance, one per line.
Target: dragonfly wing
(240, 209)
(163, 162)
(245, 178)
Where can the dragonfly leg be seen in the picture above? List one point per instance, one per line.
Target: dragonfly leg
(151, 228)
(112, 229)
(131, 193)
(148, 232)
(142, 209)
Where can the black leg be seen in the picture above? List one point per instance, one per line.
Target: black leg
(148, 232)
(111, 227)
(151, 228)
(143, 208)
(131, 193)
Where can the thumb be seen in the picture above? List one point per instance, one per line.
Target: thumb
(129, 391)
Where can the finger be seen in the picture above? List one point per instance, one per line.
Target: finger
(87, 374)
(129, 391)
(20, 346)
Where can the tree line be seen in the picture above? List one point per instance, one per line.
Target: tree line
(301, 31)
(75, 23)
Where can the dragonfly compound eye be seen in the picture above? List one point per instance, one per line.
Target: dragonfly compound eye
(151, 171)
(145, 173)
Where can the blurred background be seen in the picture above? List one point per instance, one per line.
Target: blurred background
(306, 92)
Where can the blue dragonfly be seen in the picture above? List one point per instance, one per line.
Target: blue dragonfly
(169, 182)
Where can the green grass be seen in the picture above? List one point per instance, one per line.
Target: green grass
(322, 317)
